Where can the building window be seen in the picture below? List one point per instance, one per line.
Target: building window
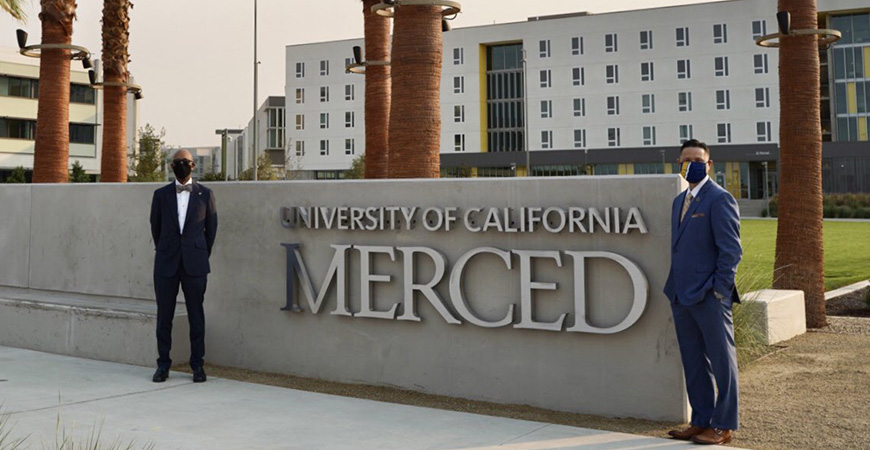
(648, 103)
(546, 78)
(613, 138)
(760, 63)
(762, 97)
(19, 87)
(80, 133)
(544, 48)
(459, 142)
(349, 93)
(611, 74)
(324, 120)
(348, 146)
(458, 56)
(723, 133)
(458, 85)
(300, 96)
(79, 93)
(646, 40)
(720, 33)
(647, 71)
(684, 101)
(348, 62)
(300, 148)
(324, 147)
(763, 131)
(300, 121)
(759, 28)
(300, 70)
(459, 113)
(613, 105)
(720, 65)
(684, 69)
(324, 68)
(578, 76)
(580, 138)
(686, 133)
(275, 128)
(324, 94)
(349, 121)
(649, 135)
(579, 107)
(577, 45)
(610, 44)
(723, 99)
(546, 139)
(683, 37)
(505, 99)
(546, 109)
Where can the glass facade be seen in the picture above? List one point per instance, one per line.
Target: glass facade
(850, 61)
(504, 98)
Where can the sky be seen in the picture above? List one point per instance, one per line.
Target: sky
(194, 58)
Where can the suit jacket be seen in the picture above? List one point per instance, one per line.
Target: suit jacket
(193, 245)
(705, 247)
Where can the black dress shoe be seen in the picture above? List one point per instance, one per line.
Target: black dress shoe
(160, 375)
(199, 375)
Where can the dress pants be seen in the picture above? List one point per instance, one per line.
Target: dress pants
(166, 290)
(705, 332)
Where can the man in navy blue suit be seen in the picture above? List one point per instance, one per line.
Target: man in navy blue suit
(705, 251)
(184, 226)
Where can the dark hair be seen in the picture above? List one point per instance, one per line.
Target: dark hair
(695, 143)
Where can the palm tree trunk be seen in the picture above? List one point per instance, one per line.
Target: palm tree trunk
(116, 36)
(799, 250)
(51, 154)
(377, 104)
(415, 113)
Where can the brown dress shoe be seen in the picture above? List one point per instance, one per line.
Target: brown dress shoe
(688, 433)
(713, 436)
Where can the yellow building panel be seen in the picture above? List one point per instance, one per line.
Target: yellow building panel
(522, 171)
(17, 146)
(83, 150)
(852, 98)
(669, 168)
(867, 61)
(862, 128)
(484, 142)
(626, 169)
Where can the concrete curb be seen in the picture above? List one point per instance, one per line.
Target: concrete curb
(845, 290)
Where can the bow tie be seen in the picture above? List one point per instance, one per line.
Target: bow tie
(179, 188)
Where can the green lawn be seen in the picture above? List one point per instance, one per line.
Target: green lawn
(847, 251)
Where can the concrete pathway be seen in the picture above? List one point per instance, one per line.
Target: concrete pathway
(40, 390)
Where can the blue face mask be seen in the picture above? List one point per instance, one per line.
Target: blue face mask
(693, 171)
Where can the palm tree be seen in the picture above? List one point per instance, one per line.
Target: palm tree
(377, 104)
(799, 255)
(13, 7)
(116, 37)
(415, 113)
(51, 155)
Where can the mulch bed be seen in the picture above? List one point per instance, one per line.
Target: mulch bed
(852, 305)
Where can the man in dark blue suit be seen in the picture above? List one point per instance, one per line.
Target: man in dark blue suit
(184, 226)
(705, 251)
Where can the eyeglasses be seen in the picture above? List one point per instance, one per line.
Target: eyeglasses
(183, 162)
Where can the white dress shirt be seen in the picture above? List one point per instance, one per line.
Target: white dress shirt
(183, 198)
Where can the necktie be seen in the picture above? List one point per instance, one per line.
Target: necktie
(686, 205)
(179, 188)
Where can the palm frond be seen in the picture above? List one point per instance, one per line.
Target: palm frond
(14, 8)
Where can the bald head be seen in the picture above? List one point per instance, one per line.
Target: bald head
(182, 165)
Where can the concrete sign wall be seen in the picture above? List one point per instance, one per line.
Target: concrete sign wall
(544, 292)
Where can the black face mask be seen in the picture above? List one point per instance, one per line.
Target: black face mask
(181, 170)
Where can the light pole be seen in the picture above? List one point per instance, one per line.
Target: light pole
(256, 76)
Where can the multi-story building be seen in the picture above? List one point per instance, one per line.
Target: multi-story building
(271, 139)
(19, 92)
(611, 93)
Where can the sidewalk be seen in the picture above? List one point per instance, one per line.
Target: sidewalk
(37, 388)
